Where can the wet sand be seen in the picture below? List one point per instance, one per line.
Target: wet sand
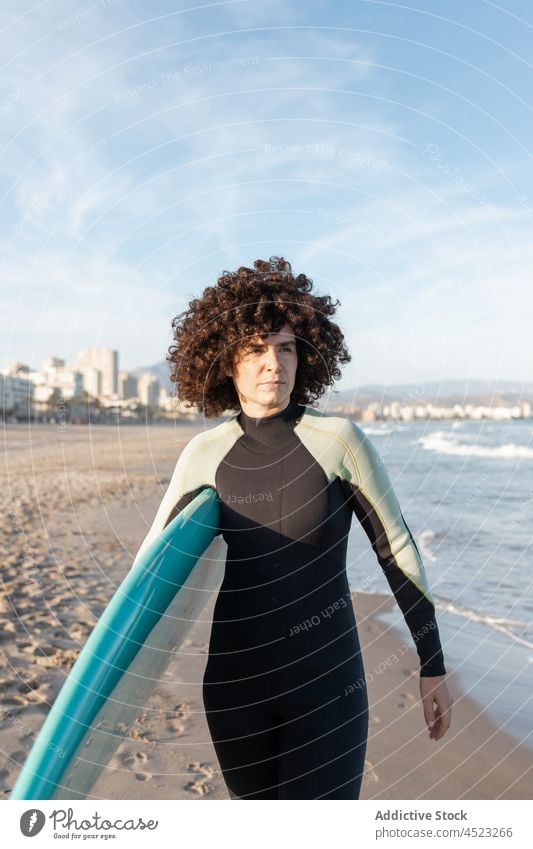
(76, 504)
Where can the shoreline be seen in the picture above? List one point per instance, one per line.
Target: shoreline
(492, 670)
(476, 759)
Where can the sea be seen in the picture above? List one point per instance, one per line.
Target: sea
(465, 489)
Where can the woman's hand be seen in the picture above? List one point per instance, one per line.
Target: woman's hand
(437, 704)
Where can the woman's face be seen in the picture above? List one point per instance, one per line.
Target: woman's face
(264, 372)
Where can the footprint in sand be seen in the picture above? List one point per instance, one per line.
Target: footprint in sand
(177, 718)
(200, 785)
(16, 701)
(405, 699)
(370, 773)
(135, 761)
(141, 736)
(27, 738)
(410, 673)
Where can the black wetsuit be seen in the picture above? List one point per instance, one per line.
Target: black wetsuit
(284, 686)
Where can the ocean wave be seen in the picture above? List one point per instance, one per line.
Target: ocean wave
(499, 623)
(442, 443)
(423, 540)
(502, 624)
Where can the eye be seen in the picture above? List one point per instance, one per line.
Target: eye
(253, 349)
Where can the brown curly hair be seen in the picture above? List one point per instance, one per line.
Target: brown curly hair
(246, 303)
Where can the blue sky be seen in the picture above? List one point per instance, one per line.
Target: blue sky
(384, 149)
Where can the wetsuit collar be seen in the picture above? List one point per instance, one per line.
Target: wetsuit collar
(270, 432)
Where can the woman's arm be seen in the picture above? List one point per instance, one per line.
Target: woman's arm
(377, 508)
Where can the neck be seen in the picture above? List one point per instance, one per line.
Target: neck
(258, 412)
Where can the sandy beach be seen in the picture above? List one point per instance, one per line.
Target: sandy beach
(76, 504)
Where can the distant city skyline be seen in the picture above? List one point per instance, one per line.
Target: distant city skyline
(157, 368)
(62, 394)
(104, 375)
(383, 150)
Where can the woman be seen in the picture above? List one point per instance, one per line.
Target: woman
(284, 686)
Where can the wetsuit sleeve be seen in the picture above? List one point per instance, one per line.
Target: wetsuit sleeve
(376, 506)
(182, 489)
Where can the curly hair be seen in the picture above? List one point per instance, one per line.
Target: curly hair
(246, 303)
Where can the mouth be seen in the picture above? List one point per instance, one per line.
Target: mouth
(272, 383)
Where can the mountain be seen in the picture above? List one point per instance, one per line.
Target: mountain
(442, 392)
(160, 370)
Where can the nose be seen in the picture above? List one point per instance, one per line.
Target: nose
(273, 361)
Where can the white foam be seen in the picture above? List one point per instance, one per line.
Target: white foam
(442, 443)
(499, 623)
(423, 541)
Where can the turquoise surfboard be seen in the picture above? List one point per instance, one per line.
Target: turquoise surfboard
(126, 654)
